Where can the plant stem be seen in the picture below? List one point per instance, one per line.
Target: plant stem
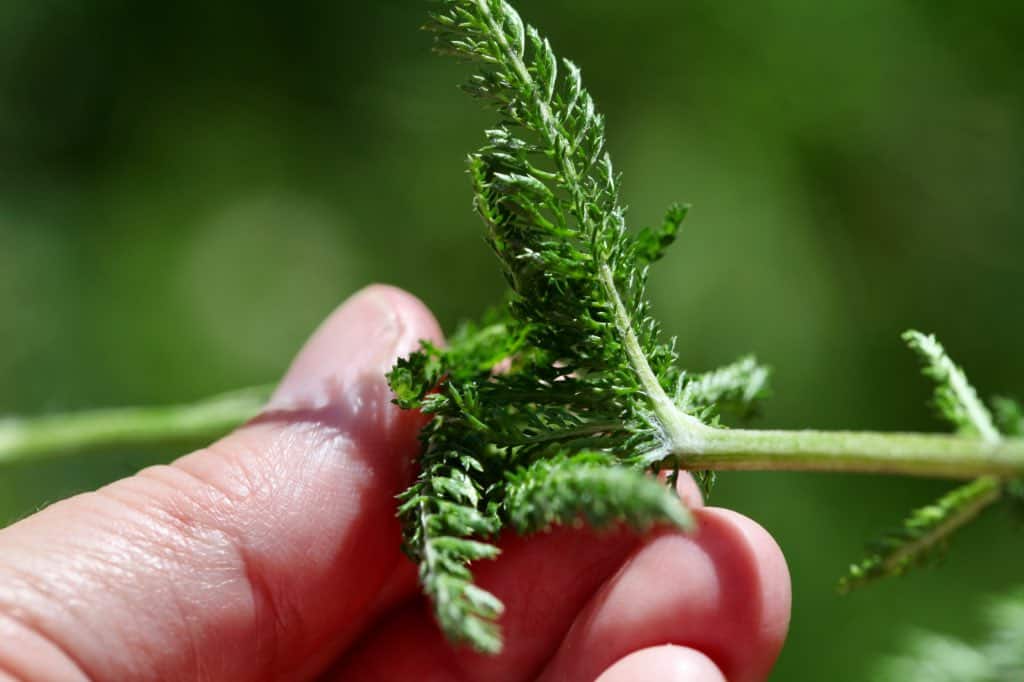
(693, 445)
(683, 431)
(130, 427)
(915, 454)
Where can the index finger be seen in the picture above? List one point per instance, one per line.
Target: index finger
(256, 558)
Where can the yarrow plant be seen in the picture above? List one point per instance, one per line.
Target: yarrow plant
(558, 407)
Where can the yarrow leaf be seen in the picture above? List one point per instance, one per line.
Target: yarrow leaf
(926, 532)
(955, 398)
(561, 407)
(923, 535)
(563, 389)
(735, 388)
(587, 486)
(1009, 416)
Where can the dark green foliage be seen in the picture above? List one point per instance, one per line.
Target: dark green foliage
(1009, 416)
(955, 398)
(558, 409)
(563, 389)
(588, 487)
(447, 506)
(1014, 492)
(734, 389)
(651, 243)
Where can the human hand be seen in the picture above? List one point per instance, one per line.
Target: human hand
(274, 555)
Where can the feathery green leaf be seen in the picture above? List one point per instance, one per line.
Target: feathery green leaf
(1009, 416)
(588, 486)
(955, 398)
(572, 389)
(735, 388)
(570, 381)
(925, 533)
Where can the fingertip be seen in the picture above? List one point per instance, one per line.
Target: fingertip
(315, 476)
(686, 488)
(243, 552)
(415, 320)
(767, 556)
(689, 492)
(748, 559)
(668, 663)
(722, 590)
(364, 336)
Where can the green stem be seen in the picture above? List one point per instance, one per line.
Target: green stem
(130, 427)
(914, 454)
(692, 445)
(682, 430)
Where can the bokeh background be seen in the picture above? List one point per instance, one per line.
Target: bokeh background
(187, 188)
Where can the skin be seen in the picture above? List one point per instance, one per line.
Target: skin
(274, 554)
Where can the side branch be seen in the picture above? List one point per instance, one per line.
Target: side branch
(924, 532)
(679, 428)
(27, 438)
(912, 454)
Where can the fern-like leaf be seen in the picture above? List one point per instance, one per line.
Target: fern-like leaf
(955, 398)
(445, 513)
(587, 486)
(574, 389)
(925, 533)
(583, 372)
(735, 388)
(547, 190)
(1009, 416)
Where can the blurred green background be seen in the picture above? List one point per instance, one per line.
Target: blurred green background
(187, 188)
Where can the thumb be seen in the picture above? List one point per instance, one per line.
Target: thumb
(259, 557)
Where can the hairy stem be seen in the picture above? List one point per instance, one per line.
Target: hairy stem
(915, 454)
(130, 427)
(692, 444)
(680, 429)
